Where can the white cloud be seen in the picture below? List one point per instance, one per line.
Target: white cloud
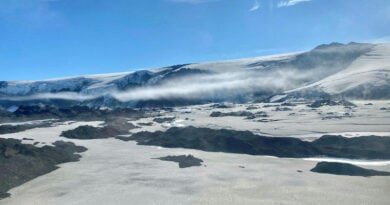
(290, 2)
(255, 6)
(214, 85)
(30, 12)
(209, 86)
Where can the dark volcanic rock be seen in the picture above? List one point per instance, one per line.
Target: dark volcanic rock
(232, 114)
(5, 129)
(183, 160)
(223, 140)
(366, 147)
(20, 163)
(164, 119)
(25, 113)
(328, 102)
(346, 169)
(346, 103)
(288, 104)
(89, 132)
(320, 103)
(245, 142)
(283, 109)
(145, 123)
(112, 128)
(267, 120)
(257, 115)
(217, 105)
(251, 108)
(4, 113)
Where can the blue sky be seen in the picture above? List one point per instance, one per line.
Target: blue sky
(42, 39)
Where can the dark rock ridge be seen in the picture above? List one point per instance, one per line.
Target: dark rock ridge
(146, 78)
(20, 163)
(89, 132)
(184, 161)
(221, 105)
(346, 169)
(53, 86)
(111, 129)
(84, 113)
(164, 119)
(247, 114)
(245, 142)
(366, 147)
(5, 129)
(232, 114)
(328, 102)
(283, 109)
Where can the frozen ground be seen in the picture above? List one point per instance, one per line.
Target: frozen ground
(117, 172)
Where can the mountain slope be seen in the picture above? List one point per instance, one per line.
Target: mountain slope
(368, 77)
(351, 70)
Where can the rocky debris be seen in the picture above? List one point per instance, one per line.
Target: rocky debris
(184, 161)
(221, 105)
(6, 129)
(145, 123)
(164, 119)
(288, 104)
(364, 147)
(117, 126)
(335, 115)
(270, 105)
(283, 109)
(266, 120)
(346, 169)
(84, 113)
(257, 115)
(251, 107)
(231, 114)
(248, 115)
(328, 102)
(5, 113)
(320, 103)
(20, 163)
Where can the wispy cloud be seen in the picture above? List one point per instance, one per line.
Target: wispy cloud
(201, 86)
(290, 3)
(255, 6)
(30, 12)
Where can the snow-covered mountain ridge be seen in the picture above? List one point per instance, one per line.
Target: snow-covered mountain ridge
(351, 70)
